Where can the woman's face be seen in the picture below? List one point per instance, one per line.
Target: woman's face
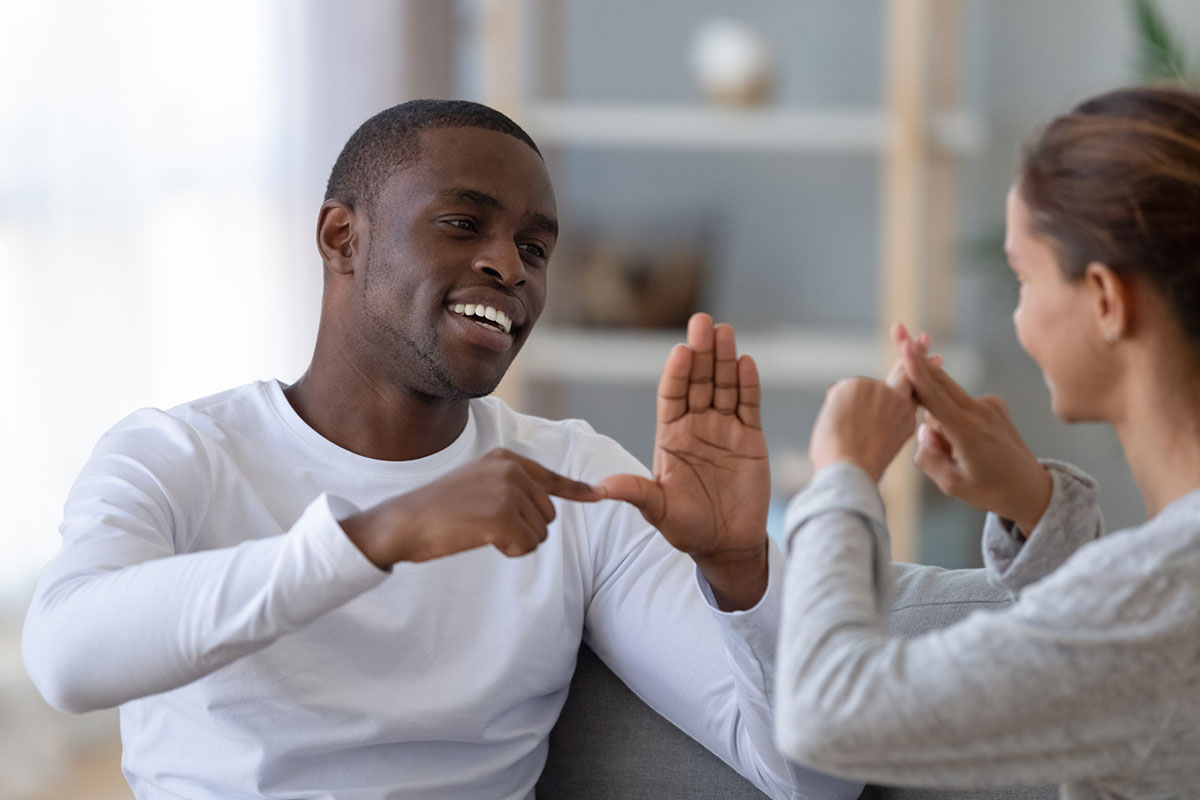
(1054, 320)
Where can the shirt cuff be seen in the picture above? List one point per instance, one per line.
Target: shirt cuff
(758, 625)
(1017, 558)
(324, 554)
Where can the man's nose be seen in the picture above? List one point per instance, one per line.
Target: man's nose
(502, 262)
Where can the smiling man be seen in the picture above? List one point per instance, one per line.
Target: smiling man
(373, 582)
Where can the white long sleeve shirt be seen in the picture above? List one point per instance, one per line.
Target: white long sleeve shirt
(206, 587)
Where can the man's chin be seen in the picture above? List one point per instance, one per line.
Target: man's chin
(477, 386)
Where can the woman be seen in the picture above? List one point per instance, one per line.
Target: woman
(1092, 678)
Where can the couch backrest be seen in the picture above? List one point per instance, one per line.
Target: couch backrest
(609, 745)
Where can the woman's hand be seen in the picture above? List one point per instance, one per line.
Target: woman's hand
(865, 422)
(970, 448)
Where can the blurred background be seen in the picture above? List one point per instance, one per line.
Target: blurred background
(808, 170)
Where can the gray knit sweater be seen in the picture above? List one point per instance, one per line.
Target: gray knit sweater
(1091, 679)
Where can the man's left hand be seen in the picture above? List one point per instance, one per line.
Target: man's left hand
(712, 484)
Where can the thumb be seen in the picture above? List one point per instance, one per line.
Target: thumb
(642, 493)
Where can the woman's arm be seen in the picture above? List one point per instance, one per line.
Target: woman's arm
(1074, 681)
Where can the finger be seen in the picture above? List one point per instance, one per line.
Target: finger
(932, 423)
(900, 334)
(643, 494)
(931, 390)
(700, 381)
(542, 503)
(749, 408)
(725, 376)
(934, 459)
(535, 517)
(896, 374)
(673, 385)
(522, 532)
(931, 438)
(559, 485)
(902, 386)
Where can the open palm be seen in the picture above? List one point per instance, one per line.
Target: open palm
(711, 484)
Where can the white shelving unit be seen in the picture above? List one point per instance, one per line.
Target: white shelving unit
(918, 134)
(791, 358)
(694, 127)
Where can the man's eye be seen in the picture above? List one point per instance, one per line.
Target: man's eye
(462, 224)
(533, 249)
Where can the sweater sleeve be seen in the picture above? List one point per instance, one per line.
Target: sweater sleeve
(123, 612)
(653, 621)
(1074, 681)
(1016, 559)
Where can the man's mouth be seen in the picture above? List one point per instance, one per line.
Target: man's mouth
(485, 315)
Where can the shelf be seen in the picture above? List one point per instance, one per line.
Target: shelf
(791, 358)
(707, 128)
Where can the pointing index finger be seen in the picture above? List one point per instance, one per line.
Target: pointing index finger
(560, 485)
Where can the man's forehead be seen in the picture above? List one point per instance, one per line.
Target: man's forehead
(451, 160)
(457, 145)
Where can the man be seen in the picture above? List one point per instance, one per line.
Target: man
(286, 588)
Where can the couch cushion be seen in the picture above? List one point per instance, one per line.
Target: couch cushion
(609, 745)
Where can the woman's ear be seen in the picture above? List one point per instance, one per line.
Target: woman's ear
(338, 236)
(1112, 299)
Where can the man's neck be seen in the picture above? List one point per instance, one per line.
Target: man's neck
(371, 419)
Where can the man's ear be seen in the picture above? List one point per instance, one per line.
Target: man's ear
(1113, 301)
(338, 236)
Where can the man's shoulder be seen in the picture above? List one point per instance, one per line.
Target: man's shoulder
(186, 424)
(571, 446)
(233, 401)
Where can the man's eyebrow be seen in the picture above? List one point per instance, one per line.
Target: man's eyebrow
(539, 222)
(543, 223)
(473, 196)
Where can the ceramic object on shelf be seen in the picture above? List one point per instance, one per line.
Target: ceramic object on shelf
(732, 63)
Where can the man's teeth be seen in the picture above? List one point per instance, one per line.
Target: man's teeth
(484, 312)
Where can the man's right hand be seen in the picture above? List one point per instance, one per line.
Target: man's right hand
(502, 499)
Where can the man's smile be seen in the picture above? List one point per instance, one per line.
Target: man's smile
(489, 316)
(484, 325)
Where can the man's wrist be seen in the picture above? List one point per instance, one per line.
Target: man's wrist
(363, 530)
(738, 579)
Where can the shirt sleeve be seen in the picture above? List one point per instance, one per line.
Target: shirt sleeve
(121, 613)
(1015, 559)
(1074, 681)
(652, 620)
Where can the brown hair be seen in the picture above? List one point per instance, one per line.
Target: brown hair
(1117, 180)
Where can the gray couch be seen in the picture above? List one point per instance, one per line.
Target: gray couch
(608, 745)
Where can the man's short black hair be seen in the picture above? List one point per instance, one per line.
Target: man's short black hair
(389, 141)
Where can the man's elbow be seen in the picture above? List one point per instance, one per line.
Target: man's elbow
(58, 677)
